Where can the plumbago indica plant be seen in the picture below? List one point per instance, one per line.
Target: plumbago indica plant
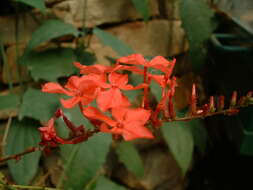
(99, 94)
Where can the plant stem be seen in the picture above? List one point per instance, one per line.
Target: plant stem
(26, 187)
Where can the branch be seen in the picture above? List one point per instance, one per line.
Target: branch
(19, 155)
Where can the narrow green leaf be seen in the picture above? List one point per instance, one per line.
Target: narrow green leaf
(48, 30)
(39, 4)
(143, 7)
(51, 64)
(82, 161)
(129, 155)
(109, 40)
(106, 184)
(9, 101)
(38, 105)
(179, 138)
(22, 135)
(198, 24)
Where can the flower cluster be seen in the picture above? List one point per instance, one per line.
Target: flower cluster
(114, 112)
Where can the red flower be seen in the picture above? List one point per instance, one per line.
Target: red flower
(128, 122)
(113, 97)
(83, 89)
(96, 69)
(158, 62)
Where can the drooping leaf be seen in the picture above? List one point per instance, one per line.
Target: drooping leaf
(39, 4)
(51, 64)
(22, 135)
(48, 30)
(129, 155)
(179, 138)
(198, 24)
(105, 184)
(9, 101)
(84, 57)
(82, 161)
(38, 105)
(117, 45)
(142, 6)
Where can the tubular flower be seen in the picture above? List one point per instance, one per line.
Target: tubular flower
(128, 122)
(82, 89)
(113, 97)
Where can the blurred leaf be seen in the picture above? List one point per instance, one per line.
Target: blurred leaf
(109, 40)
(38, 105)
(9, 101)
(156, 90)
(198, 24)
(143, 7)
(22, 135)
(246, 119)
(179, 138)
(106, 184)
(129, 155)
(48, 30)
(51, 64)
(82, 161)
(85, 57)
(39, 4)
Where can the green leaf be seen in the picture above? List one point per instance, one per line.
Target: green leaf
(39, 4)
(109, 40)
(129, 155)
(106, 184)
(23, 135)
(51, 64)
(9, 101)
(48, 30)
(156, 90)
(38, 105)
(143, 7)
(82, 161)
(198, 24)
(179, 138)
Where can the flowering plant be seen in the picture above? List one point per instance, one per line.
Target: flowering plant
(114, 113)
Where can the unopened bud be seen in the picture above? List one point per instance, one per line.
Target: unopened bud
(211, 104)
(58, 113)
(233, 99)
(221, 103)
(193, 100)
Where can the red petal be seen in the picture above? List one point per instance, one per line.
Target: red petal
(118, 79)
(119, 113)
(136, 59)
(52, 87)
(135, 130)
(72, 83)
(70, 103)
(96, 69)
(111, 98)
(94, 113)
(138, 114)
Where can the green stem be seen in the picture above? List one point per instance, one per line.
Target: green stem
(26, 187)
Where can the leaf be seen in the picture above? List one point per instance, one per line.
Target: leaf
(179, 138)
(106, 184)
(51, 64)
(9, 101)
(39, 4)
(109, 40)
(22, 135)
(38, 105)
(156, 90)
(143, 7)
(198, 24)
(130, 157)
(82, 161)
(48, 30)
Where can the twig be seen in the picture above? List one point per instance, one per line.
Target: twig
(26, 187)
(19, 155)
(6, 131)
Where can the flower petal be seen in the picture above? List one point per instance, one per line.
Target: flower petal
(136, 59)
(70, 103)
(134, 130)
(117, 79)
(95, 114)
(139, 114)
(111, 98)
(52, 87)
